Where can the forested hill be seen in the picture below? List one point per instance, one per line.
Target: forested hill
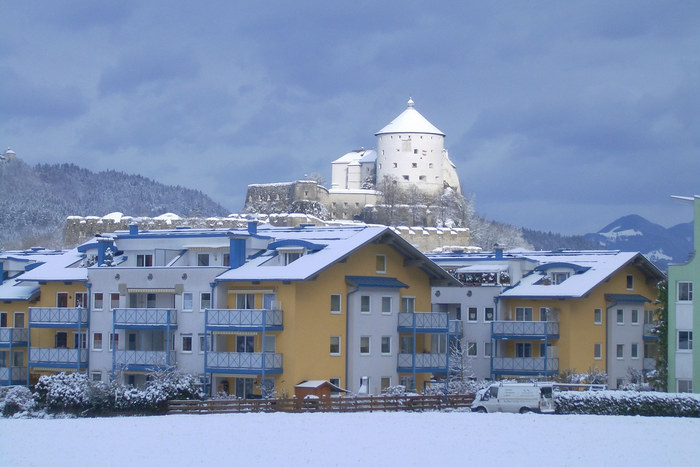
(35, 201)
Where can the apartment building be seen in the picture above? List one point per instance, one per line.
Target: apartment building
(536, 314)
(249, 310)
(683, 369)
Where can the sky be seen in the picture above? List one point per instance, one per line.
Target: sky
(560, 116)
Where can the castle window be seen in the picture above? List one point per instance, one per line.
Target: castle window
(414, 165)
(422, 178)
(415, 151)
(430, 165)
(396, 164)
(405, 177)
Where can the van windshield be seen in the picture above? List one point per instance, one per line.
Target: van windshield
(546, 392)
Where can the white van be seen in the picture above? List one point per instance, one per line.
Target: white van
(515, 397)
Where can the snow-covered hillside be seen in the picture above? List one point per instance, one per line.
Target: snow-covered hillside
(634, 233)
(365, 439)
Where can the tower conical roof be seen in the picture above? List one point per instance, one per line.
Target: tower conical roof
(410, 121)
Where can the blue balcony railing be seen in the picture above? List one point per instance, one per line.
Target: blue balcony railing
(525, 365)
(13, 375)
(244, 362)
(47, 316)
(145, 317)
(13, 336)
(424, 322)
(424, 362)
(144, 358)
(244, 319)
(525, 329)
(57, 357)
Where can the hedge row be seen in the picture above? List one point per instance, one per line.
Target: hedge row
(656, 404)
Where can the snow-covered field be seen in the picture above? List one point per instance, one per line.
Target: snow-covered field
(351, 439)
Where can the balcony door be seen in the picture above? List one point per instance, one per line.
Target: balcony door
(523, 350)
(244, 387)
(523, 314)
(245, 344)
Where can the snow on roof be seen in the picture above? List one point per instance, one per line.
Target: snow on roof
(359, 155)
(410, 121)
(596, 267)
(13, 289)
(484, 268)
(58, 268)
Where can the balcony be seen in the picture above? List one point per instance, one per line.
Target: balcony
(57, 358)
(243, 362)
(244, 320)
(525, 330)
(11, 337)
(144, 359)
(13, 375)
(524, 366)
(424, 362)
(426, 322)
(145, 318)
(649, 364)
(58, 317)
(650, 332)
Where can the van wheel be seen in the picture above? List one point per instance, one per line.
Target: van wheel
(524, 410)
(481, 410)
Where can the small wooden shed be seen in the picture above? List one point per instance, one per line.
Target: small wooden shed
(317, 388)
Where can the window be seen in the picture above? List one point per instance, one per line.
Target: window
(598, 316)
(62, 300)
(19, 319)
(386, 305)
(150, 300)
(422, 178)
(473, 315)
(523, 314)
(335, 303)
(396, 165)
(79, 340)
(144, 261)
(438, 343)
(620, 351)
(96, 376)
(619, 382)
(113, 341)
(386, 345)
(202, 343)
(544, 312)
(634, 350)
(270, 344)
(187, 301)
(384, 383)
(335, 345)
(545, 349)
(187, 342)
(408, 304)
(685, 385)
(381, 263)
(597, 351)
(405, 177)
(649, 317)
(98, 301)
(523, 350)
(203, 259)
(96, 341)
(81, 300)
(649, 350)
(685, 340)
(61, 340)
(488, 314)
(415, 151)
(364, 303)
(471, 349)
(620, 316)
(685, 291)
(406, 344)
(226, 259)
(635, 317)
(245, 344)
(407, 382)
(3, 320)
(334, 381)
(291, 256)
(364, 345)
(114, 300)
(414, 165)
(205, 300)
(245, 301)
(630, 282)
(487, 349)
(559, 277)
(18, 358)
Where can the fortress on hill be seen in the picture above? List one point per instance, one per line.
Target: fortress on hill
(410, 158)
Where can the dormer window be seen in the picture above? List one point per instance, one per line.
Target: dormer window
(290, 254)
(559, 277)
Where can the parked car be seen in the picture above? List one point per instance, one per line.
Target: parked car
(514, 398)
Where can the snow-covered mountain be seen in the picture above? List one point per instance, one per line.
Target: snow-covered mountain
(635, 233)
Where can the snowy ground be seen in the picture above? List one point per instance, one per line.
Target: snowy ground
(351, 439)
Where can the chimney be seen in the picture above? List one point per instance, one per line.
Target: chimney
(133, 229)
(252, 227)
(498, 249)
(236, 252)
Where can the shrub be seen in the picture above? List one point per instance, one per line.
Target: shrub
(628, 403)
(17, 399)
(63, 392)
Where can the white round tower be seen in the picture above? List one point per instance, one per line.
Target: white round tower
(411, 151)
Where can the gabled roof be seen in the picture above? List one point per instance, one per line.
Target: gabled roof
(338, 243)
(58, 268)
(410, 121)
(596, 267)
